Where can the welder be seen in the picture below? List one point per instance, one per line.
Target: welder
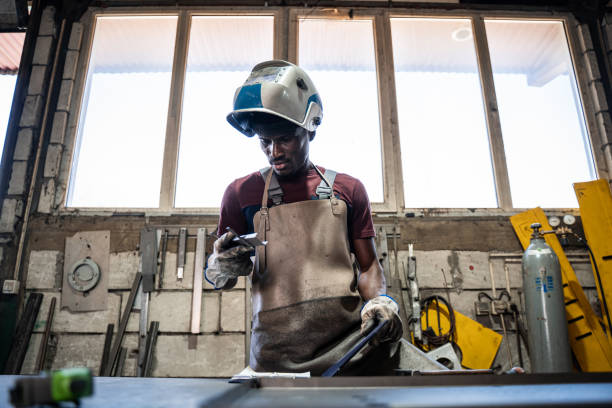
(317, 286)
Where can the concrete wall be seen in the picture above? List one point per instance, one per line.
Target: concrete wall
(77, 338)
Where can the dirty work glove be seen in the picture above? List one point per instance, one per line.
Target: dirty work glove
(228, 261)
(379, 309)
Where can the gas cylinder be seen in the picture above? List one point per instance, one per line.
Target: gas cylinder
(549, 349)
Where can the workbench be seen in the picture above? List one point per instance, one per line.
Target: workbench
(583, 390)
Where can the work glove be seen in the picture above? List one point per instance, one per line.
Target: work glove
(228, 261)
(378, 309)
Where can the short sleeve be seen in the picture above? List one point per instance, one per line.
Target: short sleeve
(361, 214)
(231, 214)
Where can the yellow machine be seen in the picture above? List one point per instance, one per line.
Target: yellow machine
(595, 201)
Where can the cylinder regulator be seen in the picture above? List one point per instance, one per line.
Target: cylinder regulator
(549, 349)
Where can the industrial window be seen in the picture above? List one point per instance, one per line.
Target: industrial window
(120, 143)
(152, 132)
(212, 153)
(339, 57)
(443, 133)
(545, 139)
(451, 156)
(140, 127)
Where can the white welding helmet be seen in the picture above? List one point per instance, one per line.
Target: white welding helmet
(278, 88)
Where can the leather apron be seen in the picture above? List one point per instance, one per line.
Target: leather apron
(306, 309)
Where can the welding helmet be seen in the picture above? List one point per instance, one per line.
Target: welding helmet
(277, 88)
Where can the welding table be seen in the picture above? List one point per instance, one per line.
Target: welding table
(528, 390)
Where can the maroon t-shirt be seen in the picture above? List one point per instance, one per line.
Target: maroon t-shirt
(242, 199)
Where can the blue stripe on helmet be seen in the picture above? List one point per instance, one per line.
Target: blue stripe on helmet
(249, 97)
(315, 99)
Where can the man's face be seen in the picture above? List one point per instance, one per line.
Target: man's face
(287, 151)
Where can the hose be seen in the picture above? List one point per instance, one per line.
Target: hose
(432, 338)
(601, 288)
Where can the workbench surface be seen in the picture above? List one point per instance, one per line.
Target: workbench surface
(345, 392)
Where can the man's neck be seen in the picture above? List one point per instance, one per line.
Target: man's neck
(302, 172)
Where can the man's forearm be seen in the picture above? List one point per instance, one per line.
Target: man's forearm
(372, 282)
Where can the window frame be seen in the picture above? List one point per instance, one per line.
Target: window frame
(498, 157)
(179, 67)
(285, 46)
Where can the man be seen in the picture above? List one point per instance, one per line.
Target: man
(308, 296)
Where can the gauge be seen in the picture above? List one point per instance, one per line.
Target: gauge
(554, 221)
(569, 219)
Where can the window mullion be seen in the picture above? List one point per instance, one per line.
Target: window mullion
(392, 162)
(498, 155)
(168, 185)
(281, 34)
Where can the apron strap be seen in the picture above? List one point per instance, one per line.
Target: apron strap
(273, 190)
(326, 188)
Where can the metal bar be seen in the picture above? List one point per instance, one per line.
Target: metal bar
(23, 332)
(173, 124)
(453, 378)
(331, 371)
(151, 340)
(42, 351)
(148, 258)
(143, 321)
(180, 262)
(498, 153)
(121, 363)
(383, 254)
(415, 298)
(162, 266)
(122, 325)
(107, 345)
(248, 316)
(196, 299)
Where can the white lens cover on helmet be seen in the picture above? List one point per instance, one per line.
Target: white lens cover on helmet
(278, 88)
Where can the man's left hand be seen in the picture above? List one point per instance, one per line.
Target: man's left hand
(382, 308)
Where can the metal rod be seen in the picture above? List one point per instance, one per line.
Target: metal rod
(42, 351)
(507, 277)
(122, 325)
(121, 362)
(331, 371)
(198, 272)
(494, 291)
(107, 345)
(151, 340)
(142, 327)
(182, 244)
(162, 265)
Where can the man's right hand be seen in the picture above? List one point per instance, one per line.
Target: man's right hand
(228, 261)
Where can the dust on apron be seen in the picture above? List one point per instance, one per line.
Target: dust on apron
(306, 309)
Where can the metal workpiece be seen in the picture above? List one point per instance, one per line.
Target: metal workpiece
(412, 358)
(549, 348)
(446, 353)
